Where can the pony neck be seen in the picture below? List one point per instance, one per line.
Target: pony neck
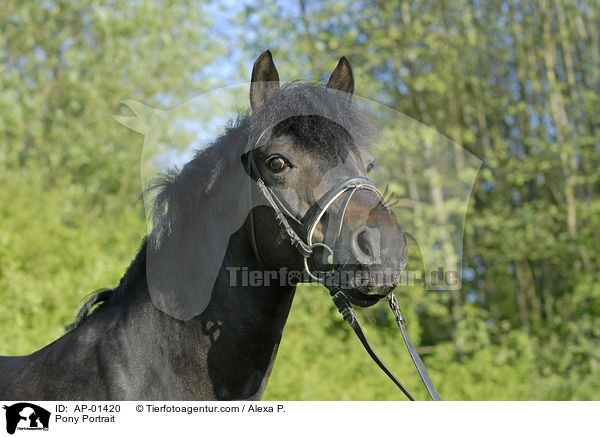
(247, 322)
(228, 351)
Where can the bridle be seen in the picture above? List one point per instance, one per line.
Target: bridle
(306, 248)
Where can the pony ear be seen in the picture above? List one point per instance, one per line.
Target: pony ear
(265, 80)
(342, 78)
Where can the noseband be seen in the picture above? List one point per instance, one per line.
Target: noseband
(308, 224)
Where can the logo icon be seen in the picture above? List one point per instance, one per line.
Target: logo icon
(26, 416)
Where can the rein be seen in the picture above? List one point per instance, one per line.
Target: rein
(312, 218)
(349, 315)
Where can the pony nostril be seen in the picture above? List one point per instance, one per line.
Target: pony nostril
(365, 245)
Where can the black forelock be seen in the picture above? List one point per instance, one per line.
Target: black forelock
(317, 134)
(317, 116)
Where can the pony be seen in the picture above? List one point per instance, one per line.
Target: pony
(180, 325)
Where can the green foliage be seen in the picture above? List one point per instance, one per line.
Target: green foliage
(71, 216)
(515, 83)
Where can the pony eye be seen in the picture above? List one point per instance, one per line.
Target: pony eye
(370, 167)
(277, 164)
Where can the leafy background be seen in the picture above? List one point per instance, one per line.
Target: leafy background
(514, 82)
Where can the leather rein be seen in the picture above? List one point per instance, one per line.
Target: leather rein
(309, 223)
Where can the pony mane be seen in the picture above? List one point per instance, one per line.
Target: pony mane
(324, 121)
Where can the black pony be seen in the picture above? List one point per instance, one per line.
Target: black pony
(159, 334)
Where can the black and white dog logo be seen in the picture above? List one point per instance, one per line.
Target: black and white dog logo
(26, 416)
